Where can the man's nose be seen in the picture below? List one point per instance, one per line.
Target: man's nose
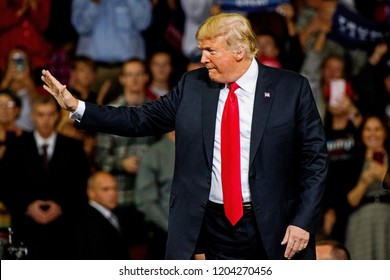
(204, 59)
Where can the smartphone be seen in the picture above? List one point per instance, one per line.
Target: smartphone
(378, 157)
(20, 61)
(337, 89)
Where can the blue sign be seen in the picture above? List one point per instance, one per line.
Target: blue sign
(353, 31)
(250, 5)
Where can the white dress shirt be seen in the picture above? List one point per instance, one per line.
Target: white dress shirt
(246, 99)
(50, 142)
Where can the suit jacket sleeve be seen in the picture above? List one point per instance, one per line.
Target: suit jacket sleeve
(313, 161)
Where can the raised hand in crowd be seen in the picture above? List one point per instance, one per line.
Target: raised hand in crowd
(286, 10)
(379, 52)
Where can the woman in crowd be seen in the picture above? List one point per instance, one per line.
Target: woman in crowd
(368, 228)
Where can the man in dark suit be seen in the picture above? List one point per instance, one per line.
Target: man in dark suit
(99, 234)
(46, 186)
(281, 161)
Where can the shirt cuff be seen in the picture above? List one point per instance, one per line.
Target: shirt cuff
(78, 114)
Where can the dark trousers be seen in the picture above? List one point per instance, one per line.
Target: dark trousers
(219, 240)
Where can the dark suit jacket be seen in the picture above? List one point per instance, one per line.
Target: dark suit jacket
(287, 154)
(98, 239)
(63, 182)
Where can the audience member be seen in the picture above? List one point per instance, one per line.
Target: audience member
(22, 24)
(269, 50)
(195, 13)
(121, 155)
(82, 77)
(153, 189)
(320, 72)
(341, 128)
(279, 23)
(99, 234)
(63, 37)
(331, 250)
(369, 224)
(160, 68)
(110, 33)
(18, 78)
(9, 110)
(166, 33)
(372, 83)
(313, 20)
(45, 174)
(60, 31)
(313, 25)
(292, 55)
(83, 74)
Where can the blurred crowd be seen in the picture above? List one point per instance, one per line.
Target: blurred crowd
(72, 194)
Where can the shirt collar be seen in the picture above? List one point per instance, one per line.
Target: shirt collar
(40, 140)
(248, 81)
(103, 210)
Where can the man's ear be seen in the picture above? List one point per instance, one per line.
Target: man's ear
(90, 194)
(239, 53)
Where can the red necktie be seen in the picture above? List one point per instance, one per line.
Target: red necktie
(230, 157)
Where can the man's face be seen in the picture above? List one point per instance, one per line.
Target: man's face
(161, 67)
(220, 61)
(83, 74)
(45, 117)
(134, 77)
(105, 191)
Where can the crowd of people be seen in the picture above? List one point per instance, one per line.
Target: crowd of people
(74, 194)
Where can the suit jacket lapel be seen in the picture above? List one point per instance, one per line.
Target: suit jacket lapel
(265, 93)
(210, 98)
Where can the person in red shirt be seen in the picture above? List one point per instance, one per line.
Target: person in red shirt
(22, 24)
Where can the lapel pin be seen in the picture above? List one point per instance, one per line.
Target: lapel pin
(267, 95)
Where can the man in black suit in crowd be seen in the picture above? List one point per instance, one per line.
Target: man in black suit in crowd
(279, 143)
(45, 177)
(99, 234)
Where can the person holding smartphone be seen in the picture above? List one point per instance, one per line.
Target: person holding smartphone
(369, 223)
(341, 122)
(23, 24)
(19, 78)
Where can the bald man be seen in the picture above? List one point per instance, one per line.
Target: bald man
(100, 235)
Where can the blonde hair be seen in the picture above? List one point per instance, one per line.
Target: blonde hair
(235, 28)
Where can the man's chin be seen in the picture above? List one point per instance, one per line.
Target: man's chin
(214, 77)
